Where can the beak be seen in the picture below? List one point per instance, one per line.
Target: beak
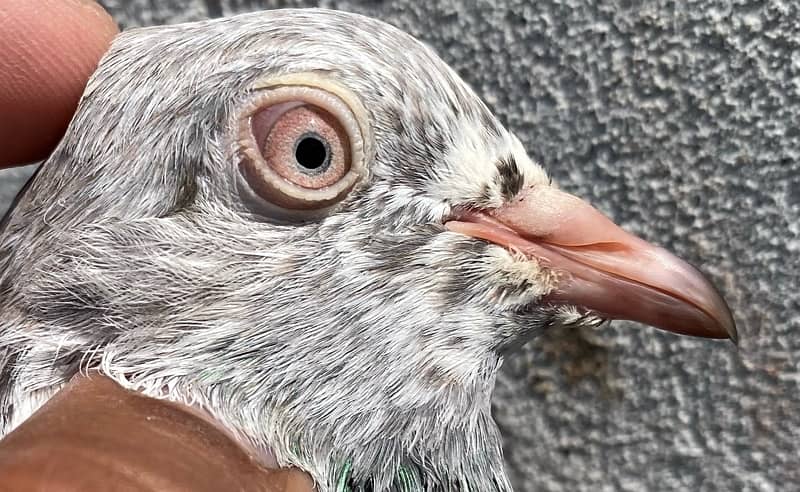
(603, 269)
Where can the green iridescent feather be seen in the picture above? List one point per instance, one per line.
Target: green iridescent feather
(408, 480)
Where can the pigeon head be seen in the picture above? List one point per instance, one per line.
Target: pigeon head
(306, 224)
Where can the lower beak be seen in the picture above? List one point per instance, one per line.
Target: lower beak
(604, 269)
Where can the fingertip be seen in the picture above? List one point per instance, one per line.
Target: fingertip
(51, 47)
(289, 480)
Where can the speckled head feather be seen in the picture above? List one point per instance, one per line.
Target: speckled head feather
(360, 344)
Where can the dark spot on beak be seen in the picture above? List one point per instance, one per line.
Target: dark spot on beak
(509, 177)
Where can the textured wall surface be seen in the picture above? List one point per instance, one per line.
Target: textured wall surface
(681, 120)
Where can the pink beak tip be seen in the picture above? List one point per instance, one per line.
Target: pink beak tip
(611, 272)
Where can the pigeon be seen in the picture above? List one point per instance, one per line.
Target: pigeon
(305, 225)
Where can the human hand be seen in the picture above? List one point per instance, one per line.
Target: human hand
(96, 436)
(48, 50)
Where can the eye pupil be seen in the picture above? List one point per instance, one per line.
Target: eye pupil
(312, 153)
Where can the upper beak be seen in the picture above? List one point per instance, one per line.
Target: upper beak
(604, 269)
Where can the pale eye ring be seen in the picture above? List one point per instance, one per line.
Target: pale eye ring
(302, 146)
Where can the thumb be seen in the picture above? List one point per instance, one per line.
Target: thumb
(48, 50)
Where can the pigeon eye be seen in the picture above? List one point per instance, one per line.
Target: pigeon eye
(306, 146)
(302, 147)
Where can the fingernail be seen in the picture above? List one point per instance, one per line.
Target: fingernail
(93, 6)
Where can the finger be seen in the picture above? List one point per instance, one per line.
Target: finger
(288, 480)
(94, 433)
(48, 49)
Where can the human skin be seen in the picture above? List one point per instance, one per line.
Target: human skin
(49, 49)
(94, 434)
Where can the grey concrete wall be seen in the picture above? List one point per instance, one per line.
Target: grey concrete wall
(680, 120)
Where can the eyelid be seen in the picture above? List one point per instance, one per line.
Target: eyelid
(262, 121)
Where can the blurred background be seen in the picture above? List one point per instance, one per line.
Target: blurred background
(681, 120)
